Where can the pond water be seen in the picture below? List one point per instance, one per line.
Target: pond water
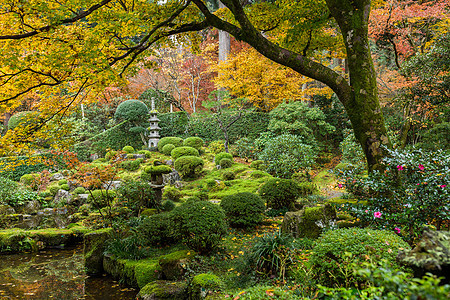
(55, 274)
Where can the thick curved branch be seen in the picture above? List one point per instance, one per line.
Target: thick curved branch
(79, 16)
(299, 63)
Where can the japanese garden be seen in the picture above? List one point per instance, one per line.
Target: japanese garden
(233, 149)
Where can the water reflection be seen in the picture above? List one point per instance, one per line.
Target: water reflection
(55, 274)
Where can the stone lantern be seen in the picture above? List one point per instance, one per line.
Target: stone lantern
(153, 129)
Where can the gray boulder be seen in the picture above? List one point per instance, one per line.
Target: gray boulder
(62, 197)
(6, 210)
(32, 207)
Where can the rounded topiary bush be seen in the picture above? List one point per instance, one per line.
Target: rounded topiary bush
(128, 149)
(189, 166)
(243, 209)
(183, 151)
(199, 224)
(221, 155)
(155, 229)
(30, 180)
(65, 187)
(194, 142)
(258, 165)
(217, 146)
(167, 149)
(335, 249)
(225, 163)
(168, 205)
(79, 190)
(110, 154)
(176, 141)
(132, 110)
(279, 193)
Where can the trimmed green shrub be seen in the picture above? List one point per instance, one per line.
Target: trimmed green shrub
(65, 187)
(167, 149)
(199, 224)
(128, 149)
(176, 141)
(172, 193)
(194, 142)
(62, 181)
(336, 249)
(101, 198)
(168, 205)
(258, 165)
(79, 190)
(258, 174)
(30, 180)
(280, 193)
(131, 165)
(183, 151)
(53, 189)
(243, 209)
(156, 170)
(225, 163)
(189, 166)
(132, 110)
(221, 155)
(156, 229)
(228, 175)
(147, 153)
(217, 146)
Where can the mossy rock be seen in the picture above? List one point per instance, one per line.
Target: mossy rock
(52, 237)
(431, 254)
(94, 246)
(309, 221)
(162, 289)
(174, 265)
(147, 271)
(13, 240)
(203, 284)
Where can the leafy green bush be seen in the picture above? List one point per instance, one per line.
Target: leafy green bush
(225, 163)
(173, 124)
(128, 149)
(351, 150)
(219, 156)
(243, 209)
(183, 151)
(189, 166)
(167, 149)
(147, 153)
(137, 195)
(156, 229)
(280, 193)
(217, 146)
(416, 181)
(101, 198)
(336, 249)
(30, 180)
(262, 292)
(79, 190)
(194, 142)
(172, 193)
(23, 118)
(286, 154)
(176, 141)
(199, 224)
(13, 194)
(246, 148)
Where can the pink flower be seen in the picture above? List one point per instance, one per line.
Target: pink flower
(443, 186)
(366, 211)
(421, 167)
(340, 185)
(397, 230)
(377, 214)
(400, 167)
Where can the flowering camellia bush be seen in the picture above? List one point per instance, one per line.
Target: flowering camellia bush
(412, 192)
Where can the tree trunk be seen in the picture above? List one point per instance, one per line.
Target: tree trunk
(363, 107)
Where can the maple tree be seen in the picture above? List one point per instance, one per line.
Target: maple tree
(70, 49)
